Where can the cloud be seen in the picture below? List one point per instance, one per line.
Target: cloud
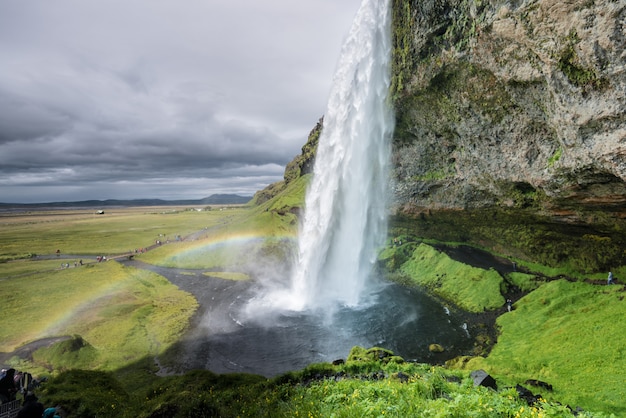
(161, 98)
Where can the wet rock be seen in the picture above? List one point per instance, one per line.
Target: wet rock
(402, 377)
(482, 378)
(539, 384)
(527, 395)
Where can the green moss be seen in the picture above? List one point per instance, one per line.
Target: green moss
(433, 175)
(555, 157)
(525, 282)
(471, 288)
(74, 353)
(402, 57)
(521, 234)
(565, 334)
(455, 93)
(570, 65)
(521, 195)
(374, 354)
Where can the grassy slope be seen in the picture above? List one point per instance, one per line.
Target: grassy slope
(122, 314)
(365, 387)
(570, 335)
(473, 289)
(231, 243)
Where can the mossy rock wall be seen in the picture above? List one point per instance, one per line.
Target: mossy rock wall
(507, 109)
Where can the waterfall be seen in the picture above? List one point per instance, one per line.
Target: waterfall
(344, 222)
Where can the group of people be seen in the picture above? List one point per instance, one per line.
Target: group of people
(13, 382)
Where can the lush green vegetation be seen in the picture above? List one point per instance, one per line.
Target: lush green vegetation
(119, 319)
(370, 383)
(473, 289)
(570, 65)
(568, 334)
(117, 315)
(565, 332)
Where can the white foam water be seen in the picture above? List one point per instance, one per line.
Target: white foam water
(345, 220)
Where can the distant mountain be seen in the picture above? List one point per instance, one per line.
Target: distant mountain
(216, 199)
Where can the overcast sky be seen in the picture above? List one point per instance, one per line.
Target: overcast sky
(170, 99)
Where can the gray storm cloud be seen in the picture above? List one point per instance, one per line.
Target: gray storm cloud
(162, 99)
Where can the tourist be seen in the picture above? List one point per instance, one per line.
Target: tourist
(509, 304)
(610, 278)
(7, 387)
(31, 408)
(50, 413)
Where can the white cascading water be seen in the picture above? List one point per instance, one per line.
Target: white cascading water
(345, 220)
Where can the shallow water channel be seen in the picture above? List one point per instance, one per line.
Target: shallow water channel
(225, 338)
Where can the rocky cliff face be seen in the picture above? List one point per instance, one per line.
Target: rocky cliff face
(510, 111)
(510, 128)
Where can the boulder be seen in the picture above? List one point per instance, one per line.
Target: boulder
(527, 395)
(482, 378)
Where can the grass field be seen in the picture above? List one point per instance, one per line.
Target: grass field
(122, 313)
(116, 231)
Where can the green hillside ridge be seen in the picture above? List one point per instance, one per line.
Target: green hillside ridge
(265, 229)
(473, 289)
(565, 332)
(570, 334)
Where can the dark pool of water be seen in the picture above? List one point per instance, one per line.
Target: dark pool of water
(270, 343)
(228, 337)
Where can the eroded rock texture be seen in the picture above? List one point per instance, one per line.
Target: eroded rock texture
(514, 111)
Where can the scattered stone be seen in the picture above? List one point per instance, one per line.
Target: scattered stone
(482, 378)
(403, 378)
(539, 384)
(380, 375)
(527, 395)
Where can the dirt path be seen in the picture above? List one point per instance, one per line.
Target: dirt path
(26, 351)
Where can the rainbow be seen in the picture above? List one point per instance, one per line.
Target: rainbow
(222, 245)
(189, 253)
